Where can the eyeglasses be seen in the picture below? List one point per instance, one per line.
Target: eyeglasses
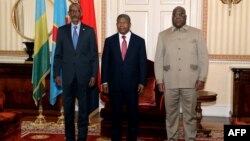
(179, 14)
(74, 11)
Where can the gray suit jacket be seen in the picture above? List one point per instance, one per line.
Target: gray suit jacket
(82, 62)
(181, 57)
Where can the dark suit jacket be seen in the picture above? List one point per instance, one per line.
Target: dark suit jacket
(125, 74)
(83, 61)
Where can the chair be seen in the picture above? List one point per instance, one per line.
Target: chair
(10, 123)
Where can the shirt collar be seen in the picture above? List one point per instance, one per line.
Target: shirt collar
(127, 35)
(183, 28)
(78, 25)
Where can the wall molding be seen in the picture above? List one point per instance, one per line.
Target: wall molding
(12, 53)
(229, 57)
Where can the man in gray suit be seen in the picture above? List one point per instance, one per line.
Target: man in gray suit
(76, 55)
(181, 66)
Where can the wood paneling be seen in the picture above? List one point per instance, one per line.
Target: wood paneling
(15, 82)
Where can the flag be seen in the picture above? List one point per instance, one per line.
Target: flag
(88, 18)
(41, 62)
(60, 18)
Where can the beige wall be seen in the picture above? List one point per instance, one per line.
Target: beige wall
(228, 40)
(228, 34)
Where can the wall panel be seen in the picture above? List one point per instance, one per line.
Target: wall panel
(7, 30)
(228, 34)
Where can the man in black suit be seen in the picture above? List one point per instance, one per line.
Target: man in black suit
(76, 55)
(124, 76)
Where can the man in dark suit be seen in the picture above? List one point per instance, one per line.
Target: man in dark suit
(76, 55)
(124, 76)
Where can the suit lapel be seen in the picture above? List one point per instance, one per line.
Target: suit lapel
(130, 46)
(69, 35)
(117, 47)
(81, 34)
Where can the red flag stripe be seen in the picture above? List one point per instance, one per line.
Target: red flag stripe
(89, 19)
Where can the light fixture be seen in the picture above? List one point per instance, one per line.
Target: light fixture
(230, 2)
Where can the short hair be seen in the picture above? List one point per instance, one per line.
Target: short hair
(179, 7)
(125, 16)
(75, 4)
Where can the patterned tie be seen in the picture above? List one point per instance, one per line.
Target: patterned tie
(124, 47)
(75, 37)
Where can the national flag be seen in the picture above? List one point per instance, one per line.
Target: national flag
(88, 18)
(60, 18)
(41, 62)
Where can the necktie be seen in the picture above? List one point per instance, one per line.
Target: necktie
(75, 37)
(124, 47)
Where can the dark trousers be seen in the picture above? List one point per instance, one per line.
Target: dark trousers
(130, 100)
(70, 93)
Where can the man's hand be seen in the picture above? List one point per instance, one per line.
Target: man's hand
(199, 85)
(161, 87)
(105, 88)
(58, 81)
(92, 82)
(140, 89)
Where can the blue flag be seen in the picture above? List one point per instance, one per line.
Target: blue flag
(60, 18)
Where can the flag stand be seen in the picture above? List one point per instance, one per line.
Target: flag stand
(60, 120)
(40, 120)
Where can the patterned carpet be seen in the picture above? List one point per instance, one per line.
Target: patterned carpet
(52, 131)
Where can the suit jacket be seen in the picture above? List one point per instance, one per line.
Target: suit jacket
(125, 74)
(82, 62)
(181, 57)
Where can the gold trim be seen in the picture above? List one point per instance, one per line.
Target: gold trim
(17, 30)
(103, 25)
(229, 57)
(204, 18)
(11, 53)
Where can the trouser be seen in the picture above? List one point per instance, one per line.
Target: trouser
(188, 98)
(117, 101)
(70, 93)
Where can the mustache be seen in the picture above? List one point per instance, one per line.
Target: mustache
(75, 17)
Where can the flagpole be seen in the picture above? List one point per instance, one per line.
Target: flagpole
(41, 61)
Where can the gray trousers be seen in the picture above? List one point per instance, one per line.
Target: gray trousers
(188, 99)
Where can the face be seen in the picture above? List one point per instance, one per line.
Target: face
(179, 17)
(75, 13)
(123, 25)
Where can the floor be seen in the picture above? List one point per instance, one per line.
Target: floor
(207, 122)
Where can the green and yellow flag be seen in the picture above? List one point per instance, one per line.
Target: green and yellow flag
(41, 62)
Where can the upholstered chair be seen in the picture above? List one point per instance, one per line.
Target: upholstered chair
(10, 123)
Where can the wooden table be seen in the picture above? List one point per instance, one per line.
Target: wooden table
(203, 96)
